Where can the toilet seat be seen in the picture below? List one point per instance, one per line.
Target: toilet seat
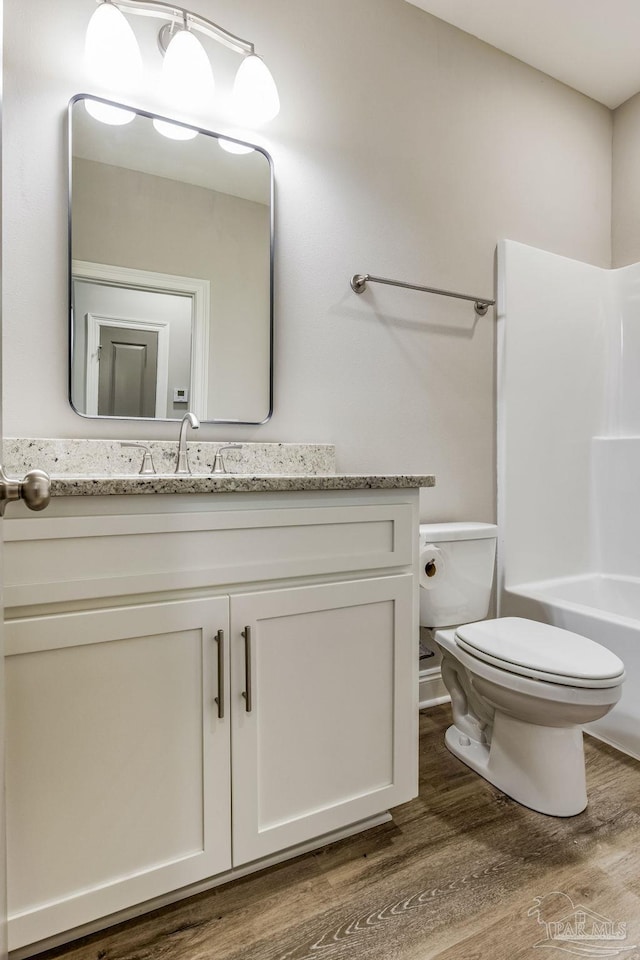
(531, 649)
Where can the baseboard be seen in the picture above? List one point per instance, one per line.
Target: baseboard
(432, 690)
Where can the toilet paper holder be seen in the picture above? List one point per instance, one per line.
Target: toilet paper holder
(432, 565)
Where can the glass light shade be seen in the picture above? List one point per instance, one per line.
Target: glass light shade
(187, 78)
(255, 95)
(105, 113)
(174, 131)
(231, 147)
(111, 52)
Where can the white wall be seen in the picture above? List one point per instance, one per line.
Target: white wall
(555, 323)
(624, 414)
(404, 148)
(616, 478)
(616, 455)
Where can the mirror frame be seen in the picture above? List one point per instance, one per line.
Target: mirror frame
(210, 133)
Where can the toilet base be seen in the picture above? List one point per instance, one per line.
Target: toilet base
(540, 767)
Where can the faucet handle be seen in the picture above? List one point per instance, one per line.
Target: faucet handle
(218, 460)
(148, 466)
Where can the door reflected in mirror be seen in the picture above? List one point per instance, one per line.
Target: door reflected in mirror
(171, 267)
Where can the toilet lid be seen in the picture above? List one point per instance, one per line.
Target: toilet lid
(533, 649)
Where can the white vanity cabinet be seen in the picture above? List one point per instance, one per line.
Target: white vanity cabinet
(326, 739)
(118, 785)
(195, 684)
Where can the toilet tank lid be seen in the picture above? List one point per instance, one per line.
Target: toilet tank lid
(465, 530)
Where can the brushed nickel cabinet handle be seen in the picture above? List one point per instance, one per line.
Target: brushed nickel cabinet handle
(247, 692)
(219, 638)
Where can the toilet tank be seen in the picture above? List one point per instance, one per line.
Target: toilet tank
(456, 572)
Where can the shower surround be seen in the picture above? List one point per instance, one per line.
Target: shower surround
(569, 457)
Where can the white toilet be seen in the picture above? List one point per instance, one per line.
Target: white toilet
(519, 689)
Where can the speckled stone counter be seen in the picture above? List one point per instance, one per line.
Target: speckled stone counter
(100, 458)
(80, 468)
(68, 486)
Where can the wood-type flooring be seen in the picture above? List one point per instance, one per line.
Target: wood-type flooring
(462, 873)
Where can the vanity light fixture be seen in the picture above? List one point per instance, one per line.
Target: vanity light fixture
(112, 56)
(186, 77)
(112, 59)
(255, 95)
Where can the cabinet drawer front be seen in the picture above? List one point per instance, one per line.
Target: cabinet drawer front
(75, 558)
(117, 761)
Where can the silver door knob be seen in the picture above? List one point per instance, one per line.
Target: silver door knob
(35, 490)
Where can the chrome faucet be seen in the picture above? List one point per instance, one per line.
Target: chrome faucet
(189, 420)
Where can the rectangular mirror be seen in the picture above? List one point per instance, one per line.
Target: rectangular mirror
(171, 269)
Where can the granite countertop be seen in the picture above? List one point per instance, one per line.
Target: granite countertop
(80, 468)
(82, 486)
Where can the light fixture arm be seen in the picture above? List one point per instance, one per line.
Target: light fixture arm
(178, 15)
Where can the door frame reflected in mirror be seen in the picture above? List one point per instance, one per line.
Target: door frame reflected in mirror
(131, 278)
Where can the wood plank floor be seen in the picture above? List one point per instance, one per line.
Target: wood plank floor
(453, 877)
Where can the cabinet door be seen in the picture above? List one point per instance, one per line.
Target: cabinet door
(118, 763)
(331, 736)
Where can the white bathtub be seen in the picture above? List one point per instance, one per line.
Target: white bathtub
(606, 609)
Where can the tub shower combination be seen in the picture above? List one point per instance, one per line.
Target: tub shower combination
(569, 457)
(605, 609)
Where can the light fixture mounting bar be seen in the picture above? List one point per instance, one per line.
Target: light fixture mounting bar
(169, 11)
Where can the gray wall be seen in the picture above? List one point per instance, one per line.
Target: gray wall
(404, 148)
(625, 234)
